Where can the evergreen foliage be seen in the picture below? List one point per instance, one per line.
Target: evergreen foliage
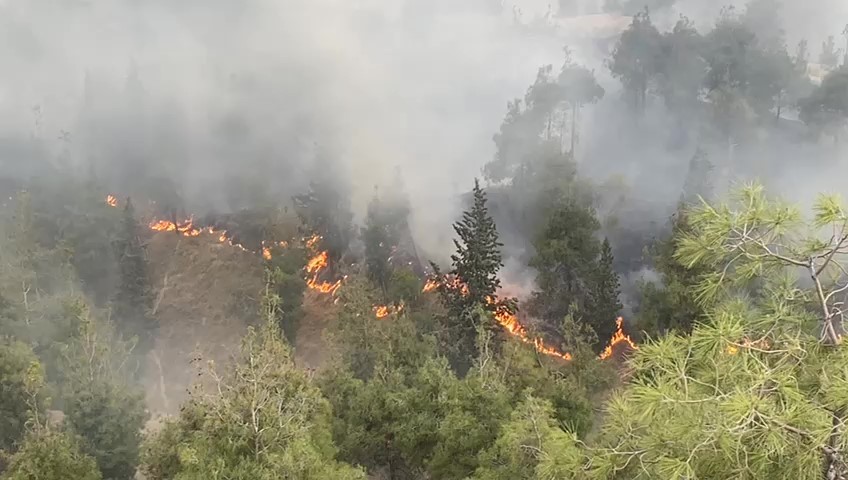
(385, 223)
(472, 299)
(134, 298)
(101, 404)
(566, 260)
(604, 304)
(325, 209)
(636, 59)
(826, 109)
(50, 455)
(671, 306)
(285, 278)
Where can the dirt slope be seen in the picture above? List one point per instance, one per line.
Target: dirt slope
(207, 293)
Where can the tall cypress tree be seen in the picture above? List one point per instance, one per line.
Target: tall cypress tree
(605, 303)
(134, 299)
(475, 267)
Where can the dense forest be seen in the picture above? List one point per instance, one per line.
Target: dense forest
(642, 276)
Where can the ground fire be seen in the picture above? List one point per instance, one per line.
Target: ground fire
(319, 262)
(511, 324)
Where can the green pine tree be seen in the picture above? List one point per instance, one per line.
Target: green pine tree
(385, 225)
(379, 240)
(605, 303)
(475, 267)
(134, 299)
(101, 405)
(566, 259)
(325, 208)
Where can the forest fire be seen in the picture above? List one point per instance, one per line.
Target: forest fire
(187, 228)
(511, 324)
(315, 266)
(619, 337)
(111, 200)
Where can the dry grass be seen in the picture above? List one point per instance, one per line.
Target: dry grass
(207, 293)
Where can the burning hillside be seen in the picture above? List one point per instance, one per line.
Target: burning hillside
(208, 285)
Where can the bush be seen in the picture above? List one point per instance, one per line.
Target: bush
(47, 455)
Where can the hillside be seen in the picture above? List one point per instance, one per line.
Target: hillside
(207, 293)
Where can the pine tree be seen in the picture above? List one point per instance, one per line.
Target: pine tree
(385, 225)
(133, 300)
(566, 258)
(605, 303)
(325, 208)
(477, 259)
(379, 240)
(698, 184)
(475, 269)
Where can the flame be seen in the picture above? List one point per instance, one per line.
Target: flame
(511, 324)
(185, 228)
(310, 243)
(618, 337)
(504, 318)
(111, 200)
(266, 253)
(383, 311)
(317, 263)
(323, 287)
(431, 285)
(315, 266)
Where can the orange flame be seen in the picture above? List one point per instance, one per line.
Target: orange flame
(186, 228)
(317, 263)
(315, 266)
(431, 285)
(111, 200)
(507, 320)
(618, 337)
(511, 324)
(383, 311)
